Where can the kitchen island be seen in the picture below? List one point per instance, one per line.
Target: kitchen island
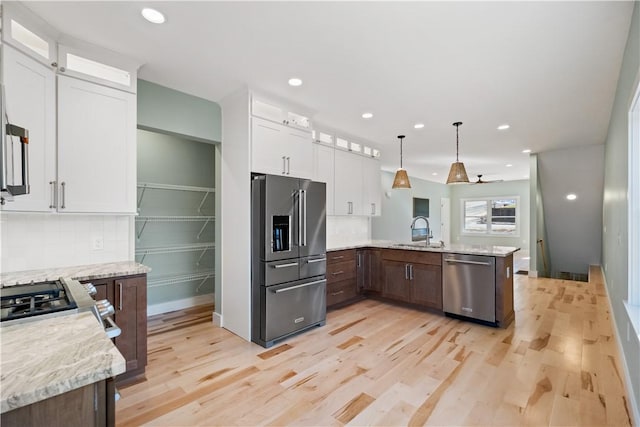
(53, 361)
(425, 277)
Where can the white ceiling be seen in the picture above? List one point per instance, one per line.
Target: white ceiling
(549, 69)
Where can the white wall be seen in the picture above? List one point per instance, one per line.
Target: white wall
(397, 208)
(495, 189)
(35, 241)
(235, 215)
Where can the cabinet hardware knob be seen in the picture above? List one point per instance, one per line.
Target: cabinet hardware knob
(54, 64)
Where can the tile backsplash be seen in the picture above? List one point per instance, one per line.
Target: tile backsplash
(35, 241)
(347, 230)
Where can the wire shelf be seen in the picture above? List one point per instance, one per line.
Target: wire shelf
(181, 278)
(175, 218)
(174, 248)
(156, 186)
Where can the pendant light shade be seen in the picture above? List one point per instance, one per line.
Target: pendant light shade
(401, 180)
(457, 173)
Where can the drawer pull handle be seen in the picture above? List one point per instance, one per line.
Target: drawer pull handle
(338, 257)
(333, 294)
(337, 272)
(304, 285)
(311, 261)
(291, 264)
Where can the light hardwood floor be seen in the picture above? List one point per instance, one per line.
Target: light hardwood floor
(375, 363)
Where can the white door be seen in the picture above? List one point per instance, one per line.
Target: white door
(445, 220)
(96, 148)
(323, 169)
(30, 100)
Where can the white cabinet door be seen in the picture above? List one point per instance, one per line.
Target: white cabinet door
(30, 101)
(372, 187)
(280, 150)
(348, 184)
(299, 153)
(96, 148)
(323, 158)
(267, 151)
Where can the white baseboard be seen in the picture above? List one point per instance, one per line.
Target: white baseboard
(635, 411)
(217, 319)
(533, 273)
(180, 304)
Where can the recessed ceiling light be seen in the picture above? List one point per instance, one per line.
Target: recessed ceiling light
(294, 81)
(435, 173)
(571, 196)
(418, 126)
(503, 127)
(527, 151)
(367, 115)
(153, 15)
(508, 165)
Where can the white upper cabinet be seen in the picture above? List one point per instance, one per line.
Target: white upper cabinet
(96, 148)
(97, 65)
(30, 101)
(323, 170)
(348, 184)
(372, 186)
(29, 34)
(278, 114)
(280, 150)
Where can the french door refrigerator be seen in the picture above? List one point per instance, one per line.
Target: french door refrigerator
(288, 284)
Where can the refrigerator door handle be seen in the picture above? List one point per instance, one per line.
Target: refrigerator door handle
(304, 218)
(299, 197)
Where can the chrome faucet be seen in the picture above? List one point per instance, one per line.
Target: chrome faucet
(428, 237)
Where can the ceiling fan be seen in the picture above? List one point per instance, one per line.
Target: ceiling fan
(481, 181)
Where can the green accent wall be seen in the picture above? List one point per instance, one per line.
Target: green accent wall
(176, 113)
(615, 207)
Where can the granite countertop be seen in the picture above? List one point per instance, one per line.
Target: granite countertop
(45, 358)
(80, 272)
(488, 250)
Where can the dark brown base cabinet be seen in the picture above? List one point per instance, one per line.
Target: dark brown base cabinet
(129, 298)
(88, 406)
(413, 277)
(368, 271)
(341, 277)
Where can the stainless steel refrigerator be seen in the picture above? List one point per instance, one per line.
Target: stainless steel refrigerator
(288, 228)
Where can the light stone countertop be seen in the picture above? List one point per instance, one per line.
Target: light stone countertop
(487, 250)
(80, 272)
(45, 358)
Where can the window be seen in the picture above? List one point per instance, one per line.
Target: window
(495, 216)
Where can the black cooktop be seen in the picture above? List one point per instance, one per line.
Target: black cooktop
(20, 301)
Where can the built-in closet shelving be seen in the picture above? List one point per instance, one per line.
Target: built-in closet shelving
(175, 226)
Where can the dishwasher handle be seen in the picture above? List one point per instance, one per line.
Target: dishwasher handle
(462, 261)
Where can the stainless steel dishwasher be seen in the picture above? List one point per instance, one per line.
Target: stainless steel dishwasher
(469, 286)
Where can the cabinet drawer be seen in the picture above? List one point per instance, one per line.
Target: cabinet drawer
(341, 271)
(411, 256)
(341, 291)
(341, 256)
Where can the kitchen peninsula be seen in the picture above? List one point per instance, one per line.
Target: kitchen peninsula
(440, 279)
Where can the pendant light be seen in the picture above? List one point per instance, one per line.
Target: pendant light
(457, 174)
(401, 179)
